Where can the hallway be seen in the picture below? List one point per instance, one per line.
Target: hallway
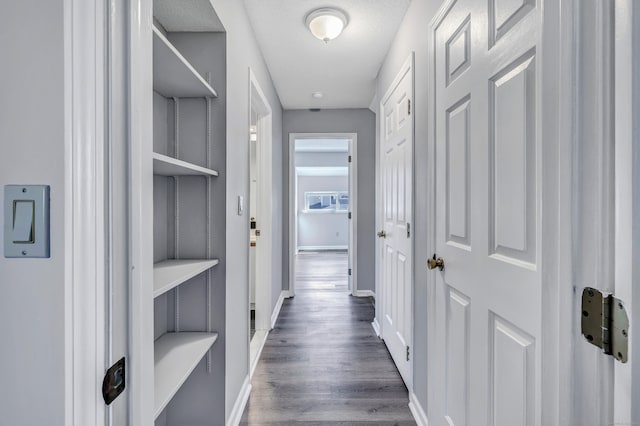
(322, 363)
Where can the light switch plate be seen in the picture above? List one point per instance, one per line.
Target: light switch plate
(26, 221)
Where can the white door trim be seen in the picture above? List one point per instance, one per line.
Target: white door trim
(141, 348)
(264, 212)
(378, 325)
(627, 194)
(353, 204)
(85, 286)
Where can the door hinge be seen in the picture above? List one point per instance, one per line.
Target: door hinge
(605, 323)
(114, 381)
(407, 353)
(349, 271)
(349, 215)
(349, 158)
(409, 107)
(408, 230)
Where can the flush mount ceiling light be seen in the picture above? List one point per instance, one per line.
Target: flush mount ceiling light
(326, 23)
(317, 95)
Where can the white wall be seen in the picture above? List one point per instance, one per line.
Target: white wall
(413, 36)
(322, 229)
(243, 53)
(32, 146)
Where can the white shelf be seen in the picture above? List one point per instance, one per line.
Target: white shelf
(168, 166)
(176, 356)
(172, 273)
(173, 75)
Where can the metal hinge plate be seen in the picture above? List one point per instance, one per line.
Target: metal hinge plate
(409, 107)
(605, 323)
(349, 215)
(349, 158)
(407, 353)
(349, 271)
(408, 230)
(114, 382)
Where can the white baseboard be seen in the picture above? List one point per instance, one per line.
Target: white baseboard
(241, 402)
(255, 348)
(416, 409)
(364, 293)
(376, 326)
(276, 311)
(320, 248)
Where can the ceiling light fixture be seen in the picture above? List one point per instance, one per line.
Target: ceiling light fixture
(317, 95)
(326, 23)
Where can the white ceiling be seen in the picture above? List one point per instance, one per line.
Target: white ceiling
(187, 15)
(322, 145)
(345, 69)
(322, 171)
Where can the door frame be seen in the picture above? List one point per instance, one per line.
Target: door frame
(556, 253)
(353, 206)
(264, 213)
(627, 193)
(378, 324)
(85, 145)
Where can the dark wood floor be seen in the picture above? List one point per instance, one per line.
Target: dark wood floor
(322, 364)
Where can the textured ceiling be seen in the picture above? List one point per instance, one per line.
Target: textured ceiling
(345, 69)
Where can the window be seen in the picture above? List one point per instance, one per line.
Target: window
(326, 201)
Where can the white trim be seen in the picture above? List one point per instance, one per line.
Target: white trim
(364, 293)
(293, 204)
(84, 204)
(240, 404)
(140, 363)
(376, 326)
(276, 310)
(418, 412)
(321, 248)
(256, 346)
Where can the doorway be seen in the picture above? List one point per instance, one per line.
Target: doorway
(323, 212)
(260, 220)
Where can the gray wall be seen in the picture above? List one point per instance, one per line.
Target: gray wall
(322, 229)
(362, 122)
(244, 53)
(413, 36)
(32, 142)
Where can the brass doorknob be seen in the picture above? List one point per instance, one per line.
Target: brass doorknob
(434, 263)
(382, 234)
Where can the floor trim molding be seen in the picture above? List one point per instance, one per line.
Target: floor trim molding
(416, 409)
(255, 348)
(322, 248)
(376, 326)
(241, 402)
(364, 293)
(276, 311)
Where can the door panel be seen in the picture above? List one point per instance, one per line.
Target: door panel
(397, 178)
(488, 297)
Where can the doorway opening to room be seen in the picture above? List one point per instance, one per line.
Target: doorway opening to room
(322, 213)
(260, 219)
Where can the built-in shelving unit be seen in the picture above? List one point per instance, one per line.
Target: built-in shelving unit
(189, 205)
(176, 356)
(171, 273)
(173, 75)
(167, 166)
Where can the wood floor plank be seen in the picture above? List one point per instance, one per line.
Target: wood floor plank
(322, 364)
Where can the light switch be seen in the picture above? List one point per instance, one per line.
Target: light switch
(23, 221)
(26, 221)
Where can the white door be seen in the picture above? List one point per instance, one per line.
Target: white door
(397, 197)
(488, 192)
